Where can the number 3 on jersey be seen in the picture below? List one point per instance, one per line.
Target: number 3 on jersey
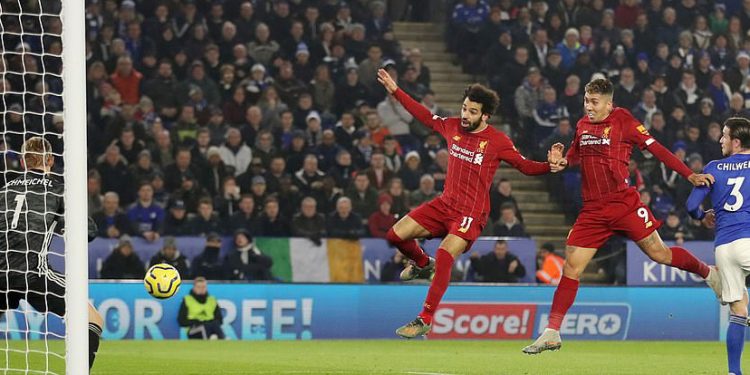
(736, 184)
(465, 224)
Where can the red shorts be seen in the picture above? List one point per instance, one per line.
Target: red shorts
(440, 219)
(621, 212)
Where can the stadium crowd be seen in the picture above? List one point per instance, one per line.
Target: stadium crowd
(265, 118)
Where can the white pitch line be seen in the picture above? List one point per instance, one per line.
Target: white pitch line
(427, 373)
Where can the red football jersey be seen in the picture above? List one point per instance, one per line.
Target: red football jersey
(603, 150)
(473, 159)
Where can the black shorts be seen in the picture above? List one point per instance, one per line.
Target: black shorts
(45, 293)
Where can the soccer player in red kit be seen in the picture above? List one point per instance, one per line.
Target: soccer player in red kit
(460, 213)
(604, 140)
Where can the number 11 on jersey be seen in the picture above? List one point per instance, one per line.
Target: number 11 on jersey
(465, 224)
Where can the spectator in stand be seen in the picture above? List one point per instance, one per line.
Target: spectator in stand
(395, 118)
(162, 90)
(368, 69)
(363, 197)
(548, 112)
(351, 90)
(411, 171)
(646, 108)
(509, 225)
(674, 230)
(177, 222)
(550, 265)
(382, 219)
(170, 255)
(245, 217)
(147, 217)
(342, 171)
(425, 193)
(736, 107)
(123, 262)
(688, 94)
(111, 221)
(527, 98)
(94, 191)
(308, 178)
(127, 81)
(719, 91)
(498, 266)
(466, 21)
(501, 194)
(308, 222)
(208, 264)
(378, 174)
(570, 48)
(143, 169)
(327, 150)
(711, 146)
(115, 175)
(375, 129)
(439, 170)
(245, 261)
(182, 168)
(271, 222)
(207, 220)
(343, 223)
(572, 97)
(235, 154)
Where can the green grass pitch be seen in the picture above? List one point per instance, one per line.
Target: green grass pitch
(417, 357)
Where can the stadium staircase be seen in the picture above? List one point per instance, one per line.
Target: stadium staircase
(544, 219)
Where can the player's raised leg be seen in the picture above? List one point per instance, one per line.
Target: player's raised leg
(403, 236)
(681, 258)
(451, 247)
(576, 259)
(733, 260)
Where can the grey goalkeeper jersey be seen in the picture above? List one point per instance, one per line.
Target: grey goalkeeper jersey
(31, 212)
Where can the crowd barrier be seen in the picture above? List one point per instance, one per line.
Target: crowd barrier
(643, 271)
(367, 311)
(301, 260)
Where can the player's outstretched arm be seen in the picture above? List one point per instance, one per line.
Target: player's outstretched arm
(666, 157)
(416, 109)
(693, 203)
(510, 155)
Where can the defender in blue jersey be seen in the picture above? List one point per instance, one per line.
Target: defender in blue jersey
(730, 199)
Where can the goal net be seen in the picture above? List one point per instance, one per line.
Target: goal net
(43, 323)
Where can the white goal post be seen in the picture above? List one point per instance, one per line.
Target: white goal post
(76, 210)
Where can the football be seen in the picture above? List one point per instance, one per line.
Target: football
(162, 281)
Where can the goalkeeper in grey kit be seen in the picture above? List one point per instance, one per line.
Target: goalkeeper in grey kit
(32, 211)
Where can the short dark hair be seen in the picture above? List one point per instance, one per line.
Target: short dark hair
(600, 86)
(739, 128)
(507, 206)
(484, 96)
(501, 242)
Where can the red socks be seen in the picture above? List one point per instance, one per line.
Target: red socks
(443, 266)
(565, 294)
(409, 248)
(685, 260)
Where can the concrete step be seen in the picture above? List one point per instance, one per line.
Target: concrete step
(538, 207)
(430, 56)
(450, 77)
(506, 171)
(547, 230)
(424, 43)
(525, 185)
(533, 218)
(430, 36)
(414, 27)
(447, 85)
(531, 196)
(443, 66)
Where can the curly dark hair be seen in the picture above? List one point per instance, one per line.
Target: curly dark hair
(486, 97)
(600, 86)
(739, 128)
